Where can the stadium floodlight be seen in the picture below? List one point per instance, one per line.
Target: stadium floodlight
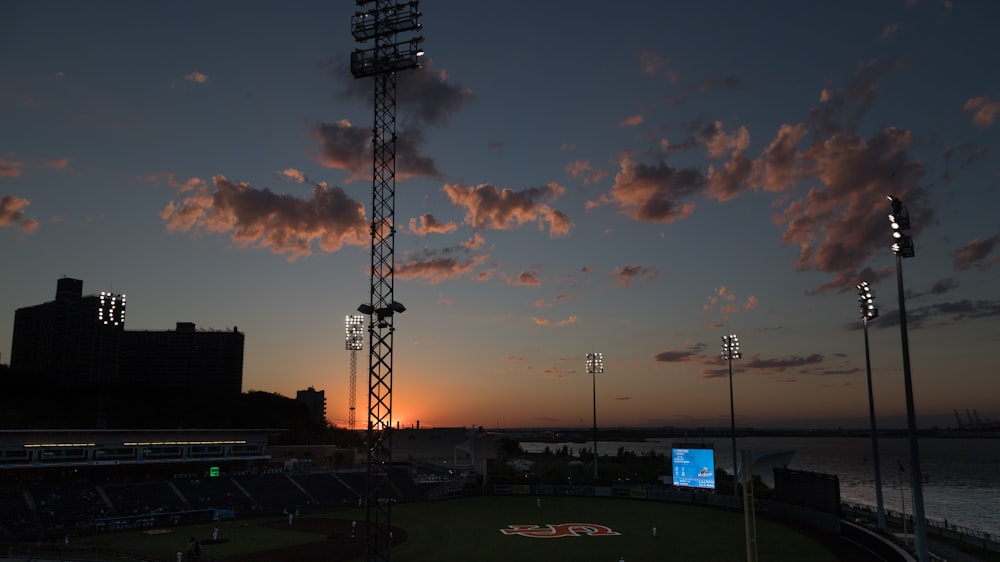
(902, 247)
(730, 351)
(111, 309)
(595, 365)
(868, 312)
(353, 342)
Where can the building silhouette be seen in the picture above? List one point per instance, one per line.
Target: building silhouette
(315, 401)
(78, 340)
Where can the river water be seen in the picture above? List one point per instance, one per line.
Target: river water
(962, 476)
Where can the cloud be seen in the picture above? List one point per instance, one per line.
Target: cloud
(695, 353)
(941, 314)
(196, 77)
(840, 110)
(293, 174)
(525, 279)
(58, 164)
(835, 223)
(437, 268)
(487, 206)
(727, 84)
(624, 275)
(425, 96)
(282, 223)
(581, 169)
(727, 182)
(349, 148)
(12, 214)
(727, 303)
(779, 365)
(427, 224)
(631, 121)
(975, 253)
(650, 193)
(10, 168)
(986, 110)
(560, 323)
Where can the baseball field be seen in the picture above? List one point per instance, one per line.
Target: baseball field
(492, 529)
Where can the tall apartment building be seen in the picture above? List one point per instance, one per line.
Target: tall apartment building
(315, 401)
(79, 339)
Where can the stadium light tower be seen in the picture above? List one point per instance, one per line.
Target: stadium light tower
(902, 247)
(870, 312)
(595, 365)
(353, 342)
(730, 351)
(382, 22)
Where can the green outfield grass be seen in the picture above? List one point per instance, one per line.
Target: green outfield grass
(471, 529)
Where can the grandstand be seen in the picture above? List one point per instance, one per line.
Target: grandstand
(69, 482)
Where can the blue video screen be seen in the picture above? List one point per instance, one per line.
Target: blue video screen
(694, 468)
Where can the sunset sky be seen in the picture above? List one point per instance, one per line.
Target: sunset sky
(631, 178)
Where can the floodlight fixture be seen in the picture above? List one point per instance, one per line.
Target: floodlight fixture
(111, 309)
(366, 308)
(867, 302)
(355, 336)
(731, 347)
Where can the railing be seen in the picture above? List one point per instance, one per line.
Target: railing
(935, 527)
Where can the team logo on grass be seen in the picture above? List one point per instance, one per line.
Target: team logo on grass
(551, 531)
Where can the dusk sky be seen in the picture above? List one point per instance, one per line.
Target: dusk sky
(631, 178)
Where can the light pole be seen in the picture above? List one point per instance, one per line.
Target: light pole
(595, 365)
(353, 342)
(902, 246)
(870, 312)
(382, 22)
(730, 351)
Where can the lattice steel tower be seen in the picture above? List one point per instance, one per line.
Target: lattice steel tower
(382, 22)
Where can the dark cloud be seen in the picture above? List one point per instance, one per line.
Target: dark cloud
(976, 254)
(727, 84)
(424, 96)
(436, 269)
(283, 223)
(782, 364)
(840, 110)
(349, 148)
(625, 275)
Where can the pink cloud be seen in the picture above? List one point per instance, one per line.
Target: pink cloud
(631, 121)
(293, 174)
(12, 214)
(502, 209)
(10, 168)
(196, 77)
(651, 192)
(282, 223)
(582, 169)
(427, 224)
(436, 269)
(986, 110)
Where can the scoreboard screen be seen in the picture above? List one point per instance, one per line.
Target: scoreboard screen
(693, 468)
